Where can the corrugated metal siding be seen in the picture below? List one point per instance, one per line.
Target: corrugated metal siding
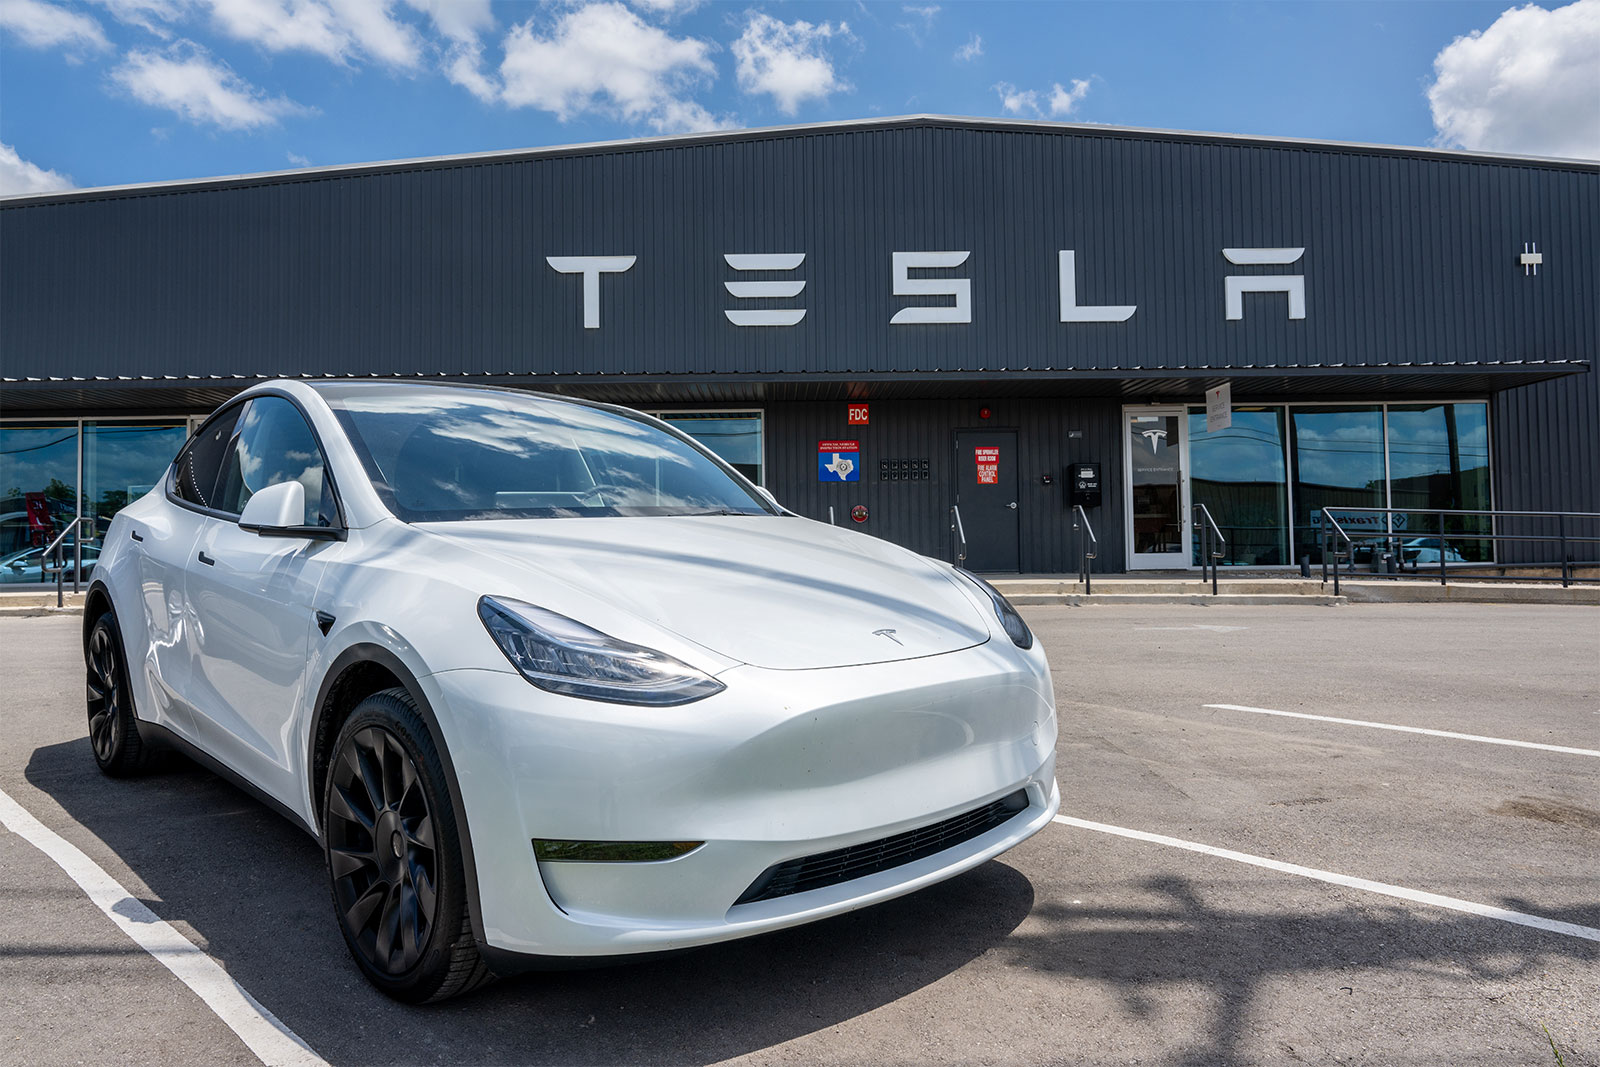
(915, 513)
(438, 269)
(442, 269)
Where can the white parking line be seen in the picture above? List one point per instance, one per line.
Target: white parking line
(1411, 730)
(272, 1042)
(1538, 922)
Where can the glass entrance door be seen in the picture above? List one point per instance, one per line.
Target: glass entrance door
(1155, 450)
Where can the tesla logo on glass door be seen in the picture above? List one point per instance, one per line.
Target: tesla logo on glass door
(1155, 437)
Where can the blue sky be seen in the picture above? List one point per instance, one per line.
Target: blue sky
(114, 91)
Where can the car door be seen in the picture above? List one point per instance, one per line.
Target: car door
(253, 600)
(163, 541)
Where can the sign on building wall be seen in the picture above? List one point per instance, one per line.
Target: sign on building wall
(988, 465)
(1219, 407)
(838, 461)
(857, 414)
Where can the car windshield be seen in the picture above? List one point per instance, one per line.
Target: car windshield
(441, 454)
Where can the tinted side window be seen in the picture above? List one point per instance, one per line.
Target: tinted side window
(195, 475)
(273, 445)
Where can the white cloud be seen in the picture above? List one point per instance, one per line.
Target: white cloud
(151, 15)
(340, 30)
(43, 25)
(920, 21)
(18, 176)
(372, 26)
(666, 7)
(1061, 101)
(971, 50)
(282, 25)
(603, 58)
(296, 159)
(788, 60)
(1530, 83)
(1016, 101)
(186, 80)
(458, 20)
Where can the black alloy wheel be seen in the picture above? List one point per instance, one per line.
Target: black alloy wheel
(394, 863)
(113, 734)
(381, 850)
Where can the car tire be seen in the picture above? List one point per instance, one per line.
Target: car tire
(394, 858)
(113, 728)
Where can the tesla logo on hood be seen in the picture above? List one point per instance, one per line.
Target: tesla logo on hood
(890, 634)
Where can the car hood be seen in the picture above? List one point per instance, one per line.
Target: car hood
(774, 591)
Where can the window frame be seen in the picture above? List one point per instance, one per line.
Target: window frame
(339, 530)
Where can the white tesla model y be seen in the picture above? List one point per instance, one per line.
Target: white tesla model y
(547, 679)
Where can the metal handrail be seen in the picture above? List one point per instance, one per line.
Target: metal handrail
(961, 533)
(1328, 525)
(61, 563)
(1210, 538)
(1388, 535)
(1087, 550)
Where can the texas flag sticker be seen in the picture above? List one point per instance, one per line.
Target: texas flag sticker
(838, 461)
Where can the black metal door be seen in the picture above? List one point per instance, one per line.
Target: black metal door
(986, 492)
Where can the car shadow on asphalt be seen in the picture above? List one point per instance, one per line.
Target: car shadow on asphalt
(250, 889)
(1168, 938)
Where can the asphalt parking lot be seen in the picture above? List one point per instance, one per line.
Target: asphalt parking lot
(1084, 945)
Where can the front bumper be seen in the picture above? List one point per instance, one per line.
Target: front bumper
(779, 766)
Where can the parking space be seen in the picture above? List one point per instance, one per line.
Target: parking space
(1081, 946)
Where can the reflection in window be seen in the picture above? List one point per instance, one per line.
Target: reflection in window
(123, 461)
(38, 494)
(1338, 464)
(1154, 456)
(1238, 474)
(733, 435)
(1439, 459)
(275, 445)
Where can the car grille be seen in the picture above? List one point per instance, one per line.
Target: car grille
(858, 861)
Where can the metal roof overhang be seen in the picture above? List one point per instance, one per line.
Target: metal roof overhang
(79, 398)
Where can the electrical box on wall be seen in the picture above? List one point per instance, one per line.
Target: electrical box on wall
(903, 470)
(1083, 484)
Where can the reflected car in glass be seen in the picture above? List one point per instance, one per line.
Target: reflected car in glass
(549, 681)
(29, 565)
(1426, 550)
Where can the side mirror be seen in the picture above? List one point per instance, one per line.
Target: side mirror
(276, 511)
(768, 497)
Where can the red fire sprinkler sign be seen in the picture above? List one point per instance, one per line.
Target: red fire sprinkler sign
(858, 414)
(988, 465)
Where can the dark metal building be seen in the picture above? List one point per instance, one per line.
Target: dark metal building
(1002, 302)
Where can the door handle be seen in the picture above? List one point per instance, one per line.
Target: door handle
(1012, 505)
(135, 535)
(207, 560)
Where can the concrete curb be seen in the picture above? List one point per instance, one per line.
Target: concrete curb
(1201, 600)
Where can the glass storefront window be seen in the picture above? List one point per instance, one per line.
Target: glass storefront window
(733, 435)
(1338, 463)
(38, 494)
(1439, 460)
(123, 461)
(1238, 474)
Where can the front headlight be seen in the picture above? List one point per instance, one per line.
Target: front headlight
(1015, 628)
(562, 656)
